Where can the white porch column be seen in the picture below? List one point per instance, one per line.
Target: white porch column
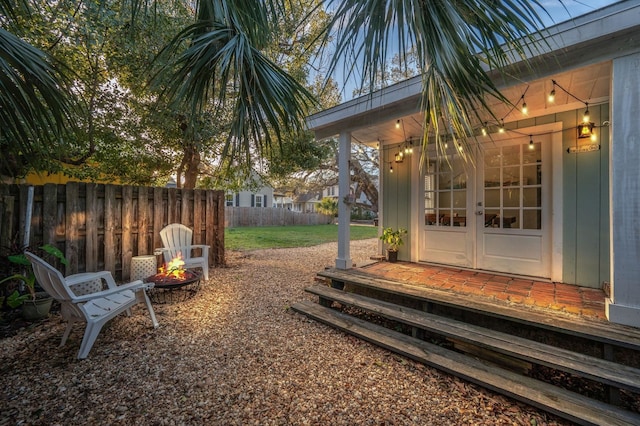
(344, 210)
(623, 306)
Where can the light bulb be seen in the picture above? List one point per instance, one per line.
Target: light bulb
(525, 110)
(398, 124)
(552, 95)
(585, 117)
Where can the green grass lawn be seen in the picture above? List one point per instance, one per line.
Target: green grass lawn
(249, 238)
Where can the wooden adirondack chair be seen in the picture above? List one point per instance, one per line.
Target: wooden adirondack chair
(178, 239)
(82, 299)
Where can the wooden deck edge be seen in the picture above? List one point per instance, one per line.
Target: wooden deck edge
(563, 403)
(607, 372)
(602, 331)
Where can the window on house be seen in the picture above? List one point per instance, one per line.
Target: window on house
(258, 200)
(229, 200)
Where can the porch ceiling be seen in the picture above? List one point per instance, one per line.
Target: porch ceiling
(590, 84)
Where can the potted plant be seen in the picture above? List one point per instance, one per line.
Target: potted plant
(393, 239)
(35, 305)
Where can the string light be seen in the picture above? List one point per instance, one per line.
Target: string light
(552, 94)
(484, 129)
(531, 142)
(398, 124)
(524, 109)
(501, 130)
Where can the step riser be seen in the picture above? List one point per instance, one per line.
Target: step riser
(512, 349)
(558, 401)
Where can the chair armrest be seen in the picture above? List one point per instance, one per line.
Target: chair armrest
(135, 285)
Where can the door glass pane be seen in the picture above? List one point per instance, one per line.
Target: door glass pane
(532, 219)
(511, 176)
(532, 197)
(491, 218)
(532, 175)
(511, 155)
(511, 218)
(532, 153)
(430, 217)
(511, 197)
(459, 178)
(460, 199)
(492, 198)
(444, 181)
(492, 157)
(444, 200)
(491, 177)
(459, 218)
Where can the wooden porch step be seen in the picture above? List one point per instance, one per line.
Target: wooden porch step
(569, 405)
(607, 372)
(598, 331)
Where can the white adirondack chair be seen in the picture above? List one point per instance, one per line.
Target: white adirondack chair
(82, 299)
(178, 239)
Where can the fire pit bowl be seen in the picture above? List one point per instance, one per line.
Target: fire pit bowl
(169, 289)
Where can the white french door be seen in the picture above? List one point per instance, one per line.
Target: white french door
(513, 207)
(494, 216)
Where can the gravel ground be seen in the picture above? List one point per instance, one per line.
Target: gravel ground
(235, 354)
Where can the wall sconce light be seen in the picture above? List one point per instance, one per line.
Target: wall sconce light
(585, 130)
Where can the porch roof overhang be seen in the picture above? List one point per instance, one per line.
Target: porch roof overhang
(573, 51)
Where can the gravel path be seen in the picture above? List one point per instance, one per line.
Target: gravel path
(235, 354)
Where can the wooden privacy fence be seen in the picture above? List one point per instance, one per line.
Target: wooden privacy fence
(271, 216)
(101, 227)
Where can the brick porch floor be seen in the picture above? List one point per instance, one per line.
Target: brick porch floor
(587, 302)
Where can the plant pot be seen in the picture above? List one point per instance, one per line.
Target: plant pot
(38, 308)
(392, 255)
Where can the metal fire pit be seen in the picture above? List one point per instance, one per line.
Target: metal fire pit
(169, 289)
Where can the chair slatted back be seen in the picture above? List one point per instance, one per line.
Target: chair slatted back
(52, 281)
(49, 278)
(176, 238)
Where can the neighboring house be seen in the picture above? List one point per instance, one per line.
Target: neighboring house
(541, 201)
(333, 192)
(260, 198)
(306, 203)
(281, 201)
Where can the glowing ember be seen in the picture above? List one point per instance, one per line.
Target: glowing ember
(174, 270)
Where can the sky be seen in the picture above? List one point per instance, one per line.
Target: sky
(557, 12)
(575, 7)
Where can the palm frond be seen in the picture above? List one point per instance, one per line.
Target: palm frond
(35, 107)
(455, 42)
(218, 61)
